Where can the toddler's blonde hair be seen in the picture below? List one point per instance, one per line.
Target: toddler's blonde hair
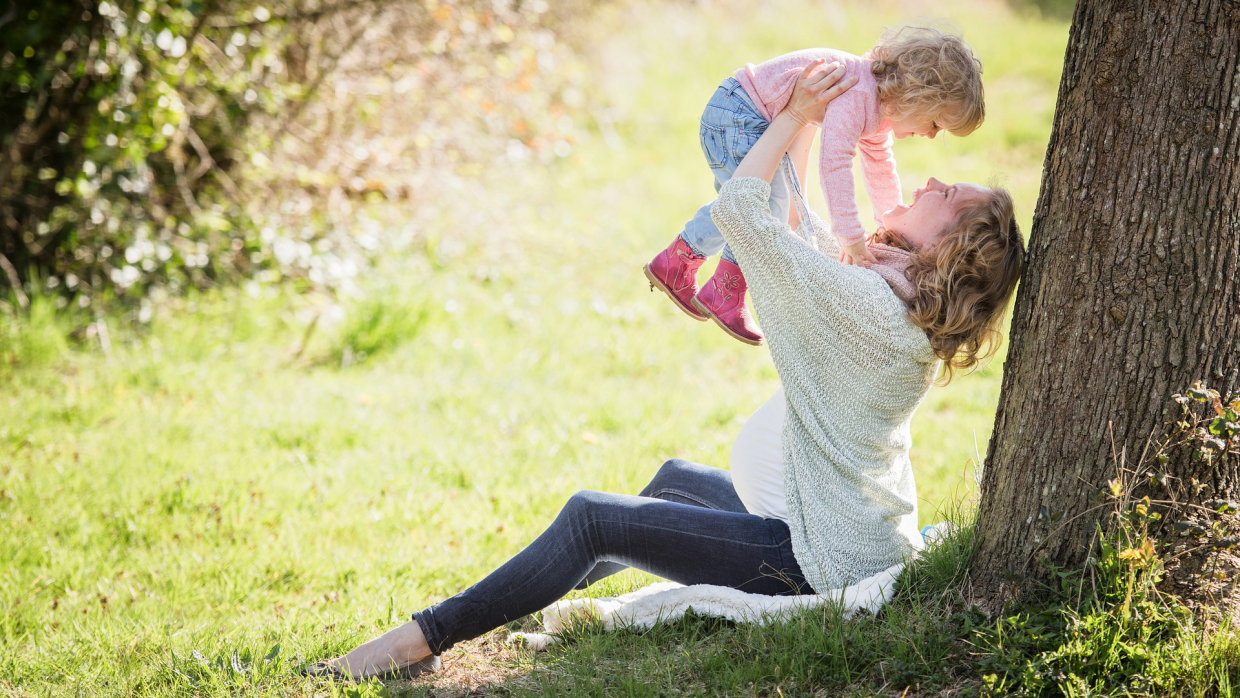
(924, 71)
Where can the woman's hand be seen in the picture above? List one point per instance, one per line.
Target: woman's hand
(819, 83)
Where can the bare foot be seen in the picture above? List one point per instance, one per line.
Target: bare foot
(392, 650)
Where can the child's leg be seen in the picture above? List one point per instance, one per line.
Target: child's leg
(701, 234)
(725, 122)
(730, 125)
(780, 203)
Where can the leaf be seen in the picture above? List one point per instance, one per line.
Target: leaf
(273, 653)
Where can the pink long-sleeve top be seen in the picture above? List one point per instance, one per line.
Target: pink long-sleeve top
(853, 122)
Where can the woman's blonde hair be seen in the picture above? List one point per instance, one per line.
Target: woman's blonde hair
(964, 282)
(923, 71)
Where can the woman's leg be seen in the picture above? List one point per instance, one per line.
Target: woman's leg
(686, 482)
(682, 481)
(684, 543)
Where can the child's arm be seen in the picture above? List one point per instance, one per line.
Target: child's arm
(856, 253)
(878, 168)
(841, 131)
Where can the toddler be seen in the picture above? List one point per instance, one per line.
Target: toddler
(915, 81)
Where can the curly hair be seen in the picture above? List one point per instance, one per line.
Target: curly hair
(924, 71)
(965, 280)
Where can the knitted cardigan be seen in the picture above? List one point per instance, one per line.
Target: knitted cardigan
(854, 369)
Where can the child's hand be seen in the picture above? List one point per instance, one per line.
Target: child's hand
(856, 254)
(814, 90)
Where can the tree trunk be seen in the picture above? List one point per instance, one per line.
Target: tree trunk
(1132, 285)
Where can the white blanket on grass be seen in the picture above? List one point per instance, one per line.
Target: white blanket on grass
(668, 601)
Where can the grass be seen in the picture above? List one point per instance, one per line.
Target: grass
(253, 479)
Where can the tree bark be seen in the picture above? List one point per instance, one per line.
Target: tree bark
(1132, 284)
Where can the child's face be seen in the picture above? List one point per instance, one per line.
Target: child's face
(935, 207)
(915, 125)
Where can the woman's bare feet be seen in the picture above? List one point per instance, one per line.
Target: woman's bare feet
(389, 653)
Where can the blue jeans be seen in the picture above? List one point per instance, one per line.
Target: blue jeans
(687, 525)
(731, 124)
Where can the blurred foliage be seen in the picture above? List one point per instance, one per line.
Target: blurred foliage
(378, 323)
(1054, 9)
(148, 147)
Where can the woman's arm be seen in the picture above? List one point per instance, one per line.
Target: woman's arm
(787, 278)
(791, 132)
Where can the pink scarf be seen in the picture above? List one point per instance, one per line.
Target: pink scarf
(892, 261)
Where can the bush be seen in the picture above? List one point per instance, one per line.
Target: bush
(150, 147)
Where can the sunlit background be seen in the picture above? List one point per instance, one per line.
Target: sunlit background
(315, 312)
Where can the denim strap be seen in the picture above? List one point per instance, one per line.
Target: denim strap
(798, 198)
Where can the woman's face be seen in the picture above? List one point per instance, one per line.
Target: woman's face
(935, 207)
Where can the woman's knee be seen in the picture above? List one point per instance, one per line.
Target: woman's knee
(674, 473)
(585, 518)
(583, 506)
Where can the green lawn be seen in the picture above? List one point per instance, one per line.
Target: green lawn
(209, 501)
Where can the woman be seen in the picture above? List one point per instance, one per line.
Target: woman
(831, 500)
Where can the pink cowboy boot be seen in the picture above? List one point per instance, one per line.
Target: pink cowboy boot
(723, 300)
(674, 272)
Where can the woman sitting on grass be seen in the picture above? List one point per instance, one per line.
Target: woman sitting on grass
(821, 493)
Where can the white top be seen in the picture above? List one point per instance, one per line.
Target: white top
(757, 462)
(757, 466)
(854, 369)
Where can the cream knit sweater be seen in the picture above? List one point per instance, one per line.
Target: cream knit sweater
(854, 368)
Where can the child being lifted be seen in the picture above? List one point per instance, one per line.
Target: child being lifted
(915, 81)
